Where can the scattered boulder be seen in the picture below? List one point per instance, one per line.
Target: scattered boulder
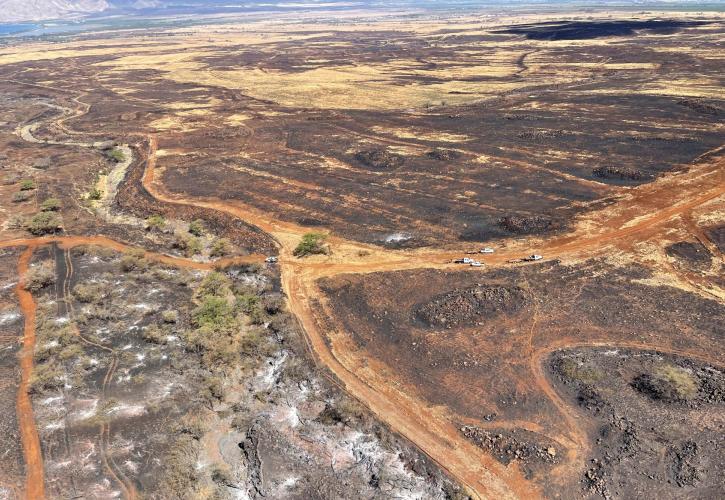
(507, 446)
(467, 306)
(694, 253)
(379, 159)
(526, 225)
(540, 134)
(443, 154)
(684, 468)
(621, 173)
(717, 236)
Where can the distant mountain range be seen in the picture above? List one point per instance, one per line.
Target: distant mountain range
(40, 10)
(13, 11)
(36, 10)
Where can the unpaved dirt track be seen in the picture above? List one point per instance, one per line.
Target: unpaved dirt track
(34, 484)
(646, 208)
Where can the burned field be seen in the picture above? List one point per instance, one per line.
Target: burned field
(475, 343)
(657, 414)
(396, 137)
(148, 175)
(133, 395)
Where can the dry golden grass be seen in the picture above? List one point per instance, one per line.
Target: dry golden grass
(341, 84)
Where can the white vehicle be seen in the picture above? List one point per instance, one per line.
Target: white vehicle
(467, 260)
(534, 257)
(475, 263)
(271, 260)
(487, 250)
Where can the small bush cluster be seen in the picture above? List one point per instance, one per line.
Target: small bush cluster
(311, 244)
(45, 377)
(189, 245)
(116, 155)
(156, 221)
(134, 261)
(196, 227)
(43, 223)
(21, 196)
(219, 248)
(39, 277)
(50, 205)
(95, 194)
(90, 293)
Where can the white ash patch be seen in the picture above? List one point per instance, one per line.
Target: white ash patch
(267, 377)
(83, 409)
(9, 318)
(397, 238)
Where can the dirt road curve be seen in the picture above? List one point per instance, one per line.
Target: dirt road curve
(636, 214)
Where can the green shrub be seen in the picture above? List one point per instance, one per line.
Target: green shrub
(219, 248)
(254, 343)
(89, 293)
(170, 316)
(95, 194)
(39, 277)
(251, 306)
(215, 283)
(116, 155)
(50, 205)
(43, 223)
(74, 351)
(311, 244)
(196, 227)
(190, 245)
(134, 261)
(27, 185)
(154, 334)
(46, 376)
(214, 312)
(156, 221)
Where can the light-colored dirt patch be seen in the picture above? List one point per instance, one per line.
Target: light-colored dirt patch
(406, 133)
(237, 119)
(170, 123)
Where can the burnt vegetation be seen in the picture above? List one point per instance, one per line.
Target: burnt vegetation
(379, 159)
(582, 30)
(474, 304)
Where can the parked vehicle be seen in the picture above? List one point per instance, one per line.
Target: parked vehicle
(476, 263)
(271, 260)
(487, 250)
(534, 257)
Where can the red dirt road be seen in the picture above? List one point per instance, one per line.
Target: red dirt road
(34, 484)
